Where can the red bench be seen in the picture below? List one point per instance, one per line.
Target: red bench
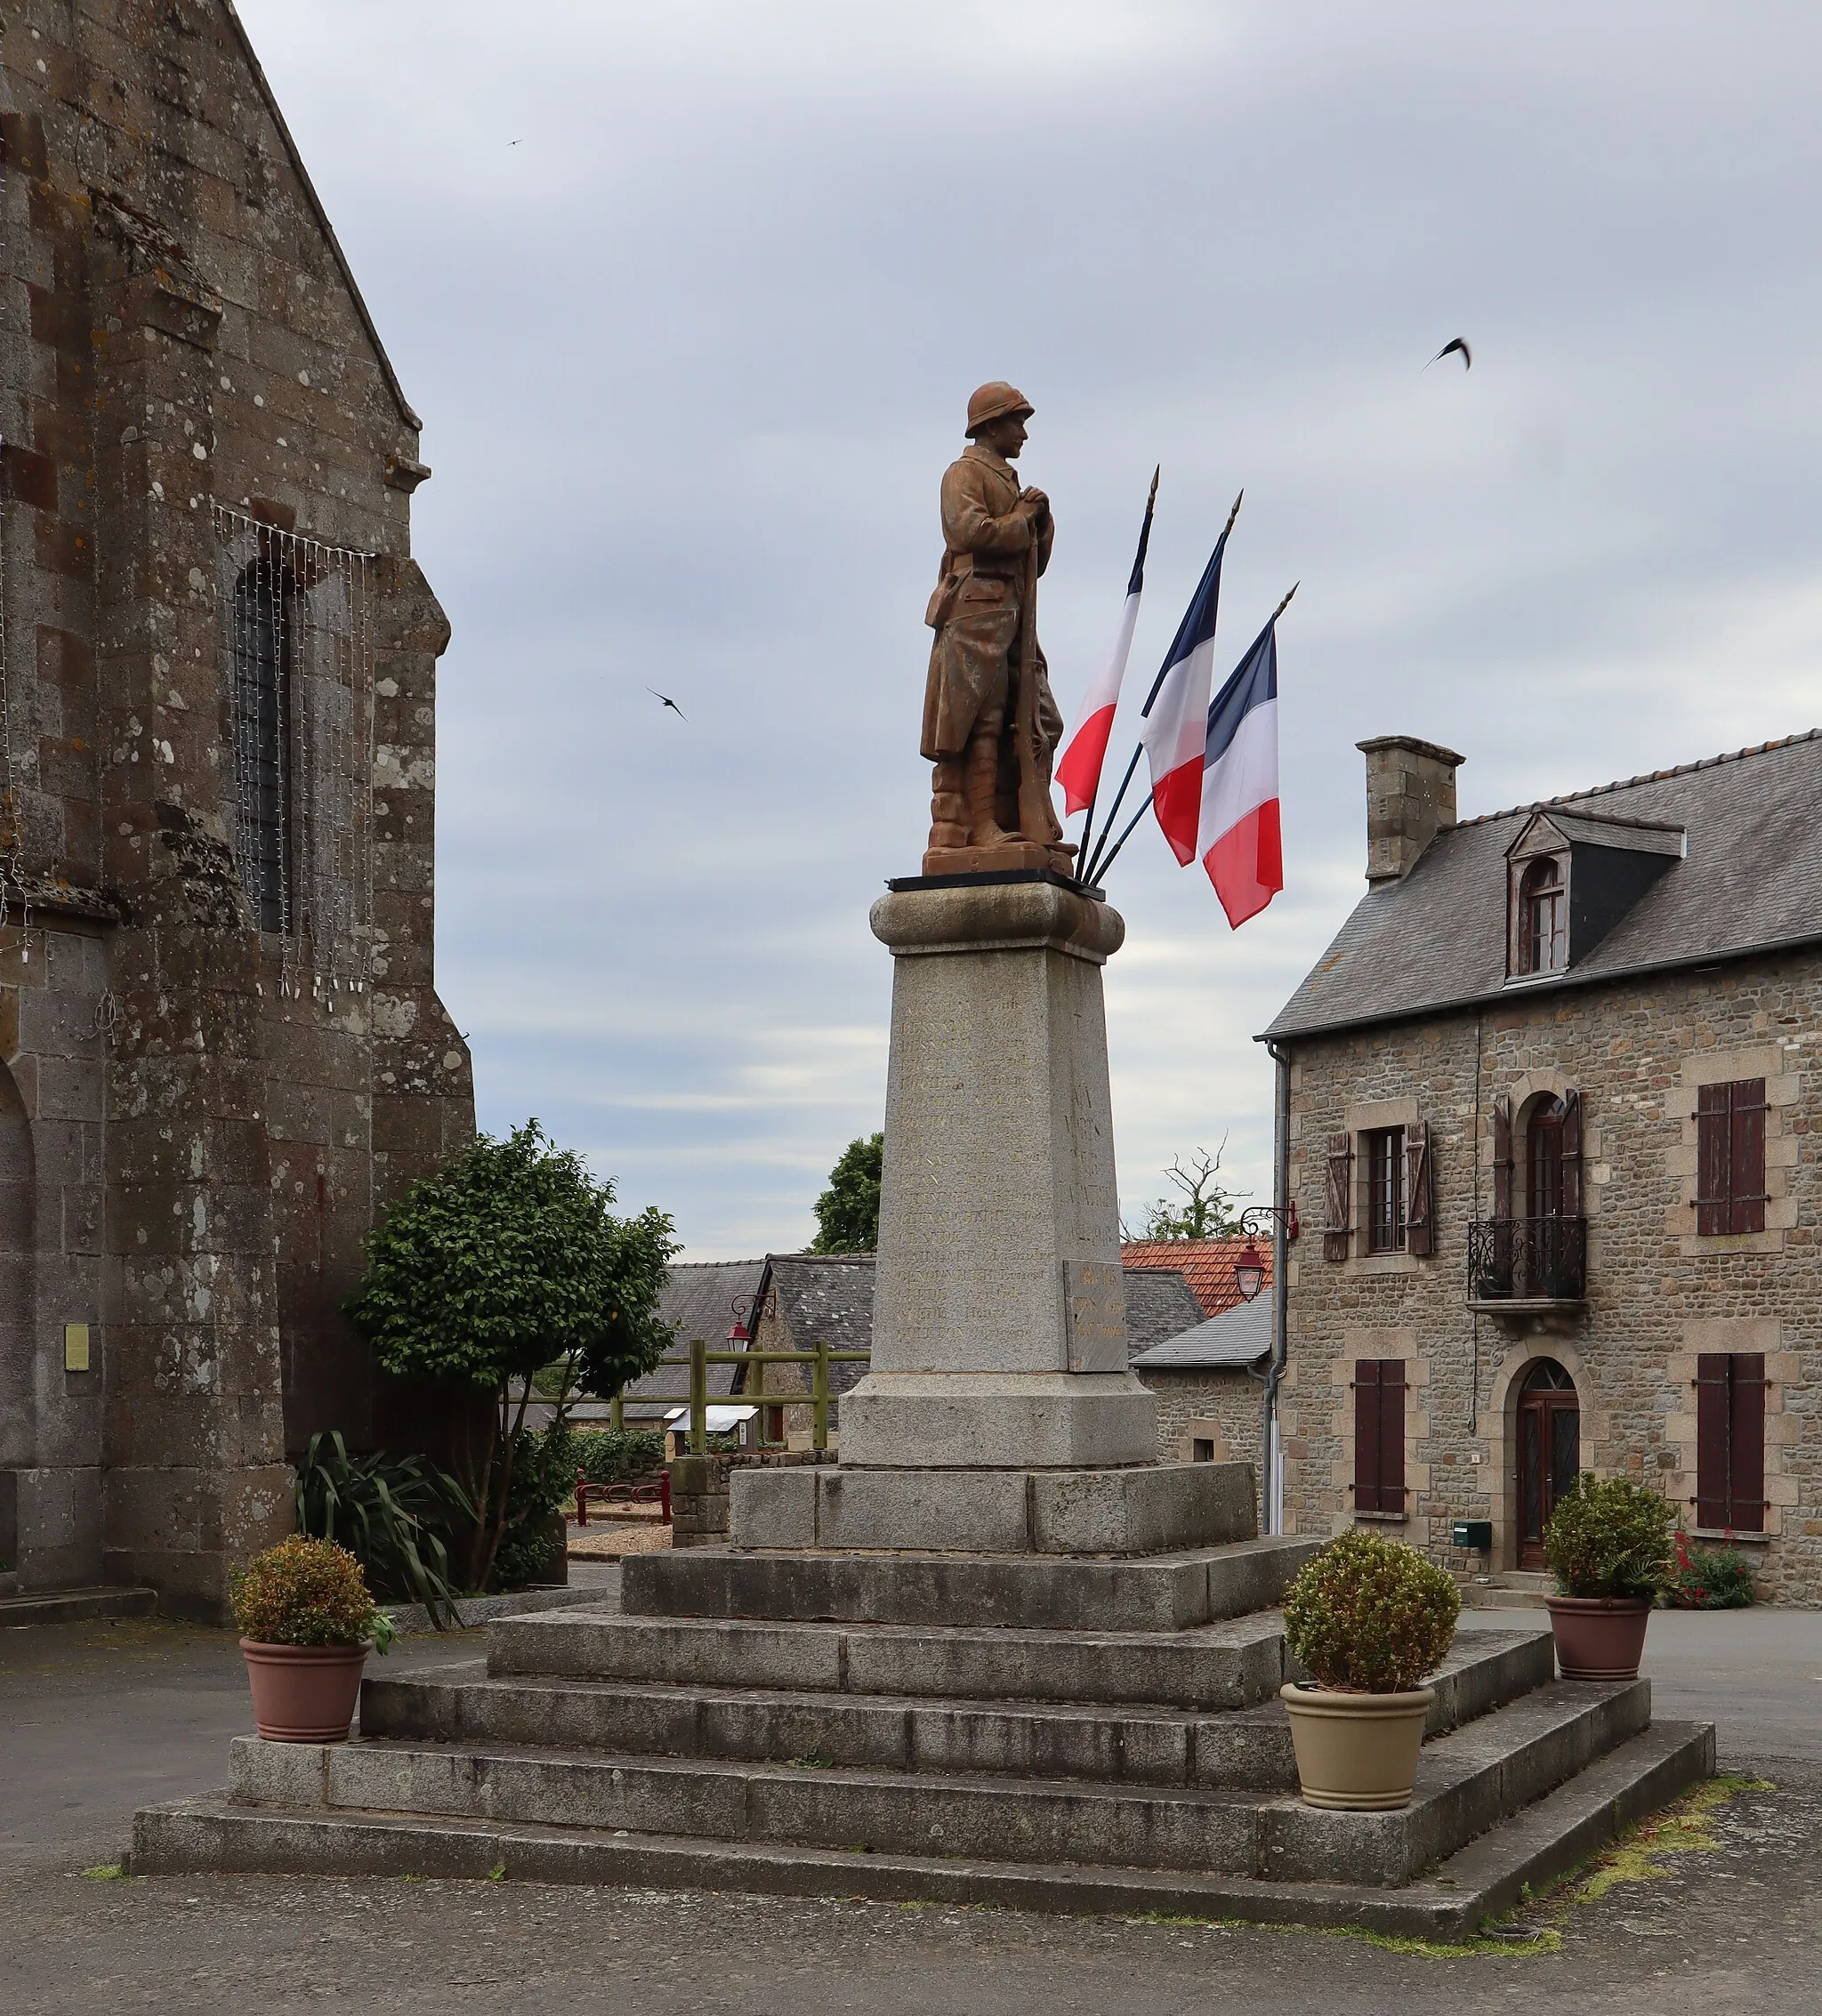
(658, 1494)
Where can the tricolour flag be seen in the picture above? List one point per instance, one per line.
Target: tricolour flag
(1174, 732)
(1240, 839)
(1078, 768)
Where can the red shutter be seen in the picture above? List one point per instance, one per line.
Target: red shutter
(1713, 1439)
(1367, 1435)
(1379, 1435)
(1714, 1159)
(1501, 1158)
(1419, 1217)
(1572, 1155)
(1392, 1435)
(1747, 1156)
(1340, 1197)
(1746, 1443)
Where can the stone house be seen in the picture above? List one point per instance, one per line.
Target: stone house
(1210, 1382)
(1553, 1106)
(222, 1044)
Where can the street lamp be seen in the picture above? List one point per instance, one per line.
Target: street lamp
(1250, 1268)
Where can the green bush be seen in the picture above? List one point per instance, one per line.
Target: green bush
(1708, 1578)
(1610, 1538)
(1370, 1616)
(306, 1592)
(615, 1455)
(393, 1515)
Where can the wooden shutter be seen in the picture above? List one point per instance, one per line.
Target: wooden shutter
(1501, 1158)
(1745, 1443)
(1730, 1441)
(1572, 1155)
(1340, 1197)
(1420, 1215)
(1379, 1435)
(1730, 1158)
(1747, 1156)
(1714, 1161)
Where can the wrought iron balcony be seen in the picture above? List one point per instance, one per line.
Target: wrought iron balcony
(1516, 1265)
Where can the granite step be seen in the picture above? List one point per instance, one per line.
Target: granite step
(1467, 1782)
(1478, 1882)
(1144, 1743)
(78, 1606)
(1227, 1664)
(1166, 1592)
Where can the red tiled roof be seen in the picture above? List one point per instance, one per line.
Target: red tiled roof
(1207, 1265)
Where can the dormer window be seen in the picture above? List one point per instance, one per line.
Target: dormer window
(1543, 935)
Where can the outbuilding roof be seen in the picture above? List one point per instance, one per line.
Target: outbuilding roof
(1207, 1265)
(1750, 881)
(1238, 1336)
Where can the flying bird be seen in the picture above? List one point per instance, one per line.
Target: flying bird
(668, 701)
(1449, 350)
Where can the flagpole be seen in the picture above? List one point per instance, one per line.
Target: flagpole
(1157, 684)
(1088, 823)
(1101, 867)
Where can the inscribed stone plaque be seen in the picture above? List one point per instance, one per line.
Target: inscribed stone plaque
(1094, 1305)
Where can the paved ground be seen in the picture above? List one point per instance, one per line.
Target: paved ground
(98, 1719)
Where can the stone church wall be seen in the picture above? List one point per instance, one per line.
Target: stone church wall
(214, 1114)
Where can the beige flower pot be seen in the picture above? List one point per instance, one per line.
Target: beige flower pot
(1357, 1752)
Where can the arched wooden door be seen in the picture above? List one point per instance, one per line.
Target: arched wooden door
(1549, 1444)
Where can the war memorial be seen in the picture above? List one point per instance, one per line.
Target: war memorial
(998, 1652)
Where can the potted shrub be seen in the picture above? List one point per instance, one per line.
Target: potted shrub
(1366, 1618)
(306, 1619)
(1609, 1545)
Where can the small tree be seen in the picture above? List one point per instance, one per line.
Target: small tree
(508, 1258)
(847, 1213)
(1206, 1208)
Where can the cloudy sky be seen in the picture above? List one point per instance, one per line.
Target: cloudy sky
(691, 298)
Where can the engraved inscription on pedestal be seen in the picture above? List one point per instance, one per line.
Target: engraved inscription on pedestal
(1094, 1315)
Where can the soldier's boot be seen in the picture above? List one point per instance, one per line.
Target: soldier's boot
(949, 805)
(983, 774)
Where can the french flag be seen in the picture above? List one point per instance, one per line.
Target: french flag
(1240, 839)
(1174, 731)
(1078, 768)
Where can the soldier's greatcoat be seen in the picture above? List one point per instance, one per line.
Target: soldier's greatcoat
(978, 607)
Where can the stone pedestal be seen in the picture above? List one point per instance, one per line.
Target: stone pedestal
(999, 1324)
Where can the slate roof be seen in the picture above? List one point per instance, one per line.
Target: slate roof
(830, 1295)
(1160, 1303)
(698, 1298)
(1207, 1265)
(1238, 1336)
(825, 1297)
(1750, 881)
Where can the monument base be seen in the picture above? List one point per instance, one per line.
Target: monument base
(998, 1421)
(1011, 856)
(1150, 1511)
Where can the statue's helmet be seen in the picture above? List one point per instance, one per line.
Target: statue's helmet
(997, 401)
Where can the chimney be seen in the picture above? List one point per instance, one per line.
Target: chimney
(1410, 799)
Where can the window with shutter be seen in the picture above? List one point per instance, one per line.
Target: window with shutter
(1336, 1234)
(1419, 1210)
(1730, 1441)
(1384, 1149)
(1730, 1158)
(1379, 1435)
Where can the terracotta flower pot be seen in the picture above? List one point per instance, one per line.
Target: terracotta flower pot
(304, 1693)
(1599, 1637)
(1357, 1752)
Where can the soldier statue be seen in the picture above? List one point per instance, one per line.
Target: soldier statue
(990, 722)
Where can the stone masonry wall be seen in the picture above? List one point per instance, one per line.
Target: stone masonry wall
(1657, 1295)
(177, 330)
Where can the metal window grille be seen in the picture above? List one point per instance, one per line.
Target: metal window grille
(298, 666)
